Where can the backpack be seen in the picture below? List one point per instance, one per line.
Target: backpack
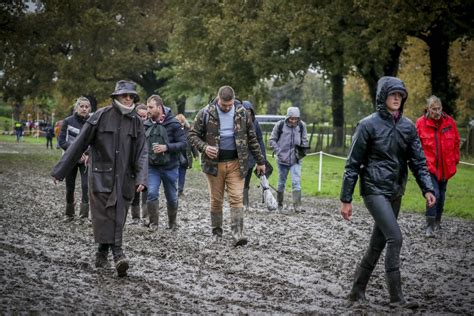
(300, 150)
(157, 134)
(280, 129)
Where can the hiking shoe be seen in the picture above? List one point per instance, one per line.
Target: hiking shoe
(121, 265)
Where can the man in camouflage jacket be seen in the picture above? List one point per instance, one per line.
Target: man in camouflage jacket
(223, 132)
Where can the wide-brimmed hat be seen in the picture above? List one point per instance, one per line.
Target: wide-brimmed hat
(124, 87)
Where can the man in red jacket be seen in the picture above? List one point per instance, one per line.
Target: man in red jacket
(440, 141)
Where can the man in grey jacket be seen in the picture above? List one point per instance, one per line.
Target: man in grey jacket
(288, 141)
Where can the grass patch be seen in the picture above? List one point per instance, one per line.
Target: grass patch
(459, 202)
(26, 139)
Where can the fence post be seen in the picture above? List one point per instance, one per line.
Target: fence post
(328, 141)
(320, 170)
(311, 137)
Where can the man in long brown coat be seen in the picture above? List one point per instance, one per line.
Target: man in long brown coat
(118, 166)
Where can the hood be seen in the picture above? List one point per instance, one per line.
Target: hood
(248, 106)
(385, 86)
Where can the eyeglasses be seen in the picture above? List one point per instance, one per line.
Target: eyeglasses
(128, 95)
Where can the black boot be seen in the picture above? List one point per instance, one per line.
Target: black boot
(172, 213)
(394, 284)
(430, 226)
(438, 224)
(121, 261)
(237, 226)
(216, 223)
(280, 196)
(101, 255)
(69, 212)
(361, 279)
(152, 207)
(84, 210)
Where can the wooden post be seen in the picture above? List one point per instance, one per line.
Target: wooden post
(328, 144)
(311, 137)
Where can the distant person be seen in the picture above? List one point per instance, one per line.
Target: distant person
(186, 157)
(289, 141)
(117, 169)
(223, 132)
(440, 141)
(57, 131)
(19, 131)
(251, 161)
(384, 145)
(49, 133)
(70, 129)
(165, 140)
(139, 196)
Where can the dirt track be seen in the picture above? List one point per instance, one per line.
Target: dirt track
(294, 263)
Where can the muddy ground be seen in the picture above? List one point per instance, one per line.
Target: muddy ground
(294, 263)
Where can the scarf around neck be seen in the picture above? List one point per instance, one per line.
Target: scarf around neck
(124, 109)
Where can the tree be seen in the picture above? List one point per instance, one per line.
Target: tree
(83, 48)
(438, 23)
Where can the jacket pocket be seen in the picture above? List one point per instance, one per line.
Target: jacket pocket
(102, 177)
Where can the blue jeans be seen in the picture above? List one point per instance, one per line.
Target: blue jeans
(169, 177)
(440, 194)
(295, 171)
(181, 178)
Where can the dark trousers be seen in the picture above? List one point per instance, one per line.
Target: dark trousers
(386, 231)
(71, 184)
(181, 178)
(117, 251)
(49, 142)
(440, 194)
(247, 178)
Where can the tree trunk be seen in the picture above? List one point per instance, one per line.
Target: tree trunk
(181, 104)
(441, 83)
(149, 82)
(390, 68)
(337, 105)
(16, 109)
